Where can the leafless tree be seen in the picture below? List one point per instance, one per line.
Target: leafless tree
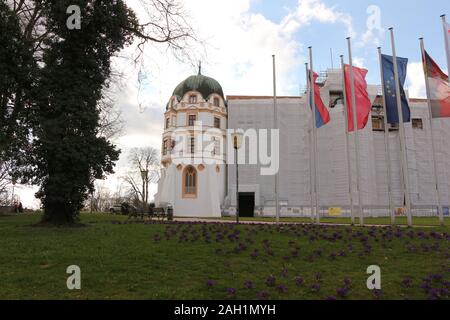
(162, 22)
(5, 182)
(111, 121)
(144, 169)
(167, 22)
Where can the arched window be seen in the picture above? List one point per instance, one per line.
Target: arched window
(193, 98)
(190, 182)
(216, 102)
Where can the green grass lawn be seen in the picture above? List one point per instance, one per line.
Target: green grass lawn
(121, 260)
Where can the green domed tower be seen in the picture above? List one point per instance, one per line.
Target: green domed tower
(193, 177)
(199, 83)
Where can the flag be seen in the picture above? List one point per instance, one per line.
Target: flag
(439, 89)
(322, 114)
(447, 41)
(363, 104)
(390, 90)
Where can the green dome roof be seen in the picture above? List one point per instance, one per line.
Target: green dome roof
(200, 83)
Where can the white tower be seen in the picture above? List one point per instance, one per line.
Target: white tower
(193, 178)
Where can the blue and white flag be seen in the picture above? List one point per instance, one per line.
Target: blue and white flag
(390, 90)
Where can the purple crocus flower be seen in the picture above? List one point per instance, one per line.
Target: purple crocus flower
(347, 282)
(299, 281)
(270, 281)
(248, 284)
(342, 292)
(263, 295)
(377, 293)
(407, 283)
(318, 276)
(315, 288)
(282, 288)
(231, 292)
(210, 283)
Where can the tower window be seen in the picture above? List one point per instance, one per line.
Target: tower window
(165, 145)
(216, 150)
(190, 182)
(193, 99)
(217, 122)
(192, 145)
(216, 102)
(167, 123)
(191, 120)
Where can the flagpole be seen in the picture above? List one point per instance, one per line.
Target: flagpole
(275, 112)
(347, 144)
(427, 87)
(402, 132)
(311, 151)
(447, 44)
(386, 141)
(355, 126)
(313, 109)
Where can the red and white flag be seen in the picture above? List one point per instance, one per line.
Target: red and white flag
(447, 42)
(363, 104)
(439, 88)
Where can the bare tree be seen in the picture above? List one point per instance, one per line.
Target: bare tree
(144, 164)
(5, 183)
(111, 121)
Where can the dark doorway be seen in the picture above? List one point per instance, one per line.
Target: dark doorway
(247, 204)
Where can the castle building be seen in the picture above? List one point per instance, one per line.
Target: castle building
(206, 186)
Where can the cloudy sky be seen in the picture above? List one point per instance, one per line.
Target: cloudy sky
(242, 35)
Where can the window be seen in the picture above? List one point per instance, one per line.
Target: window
(417, 124)
(190, 182)
(191, 120)
(193, 99)
(216, 150)
(378, 123)
(216, 102)
(192, 145)
(217, 122)
(394, 127)
(336, 97)
(165, 145)
(167, 123)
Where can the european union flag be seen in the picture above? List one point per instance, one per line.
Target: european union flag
(390, 91)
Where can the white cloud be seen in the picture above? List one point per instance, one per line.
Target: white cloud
(309, 11)
(416, 80)
(359, 62)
